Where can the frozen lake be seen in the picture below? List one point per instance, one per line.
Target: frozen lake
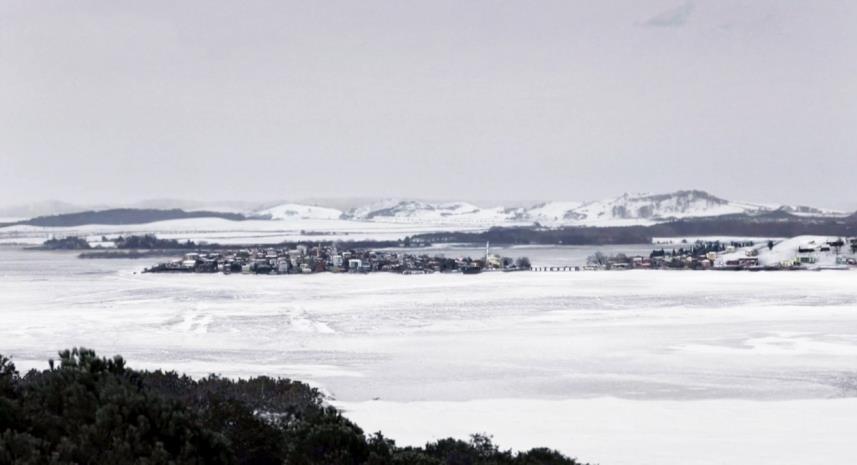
(613, 367)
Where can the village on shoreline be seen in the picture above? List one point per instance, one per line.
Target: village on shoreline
(305, 259)
(793, 254)
(407, 257)
(812, 254)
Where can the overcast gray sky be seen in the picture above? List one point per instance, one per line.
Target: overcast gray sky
(480, 100)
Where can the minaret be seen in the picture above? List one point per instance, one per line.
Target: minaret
(487, 244)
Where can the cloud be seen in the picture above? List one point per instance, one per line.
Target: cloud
(674, 17)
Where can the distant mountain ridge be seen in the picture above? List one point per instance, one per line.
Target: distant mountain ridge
(57, 207)
(625, 210)
(50, 207)
(419, 211)
(122, 216)
(661, 207)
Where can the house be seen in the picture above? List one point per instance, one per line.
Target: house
(748, 261)
(493, 261)
(807, 248)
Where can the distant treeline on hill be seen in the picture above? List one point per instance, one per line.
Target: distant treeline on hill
(119, 216)
(153, 246)
(771, 225)
(87, 409)
(145, 242)
(150, 241)
(66, 243)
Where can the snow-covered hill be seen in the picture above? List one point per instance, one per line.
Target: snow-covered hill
(627, 209)
(553, 212)
(412, 211)
(293, 211)
(801, 210)
(424, 216)
(654, 208)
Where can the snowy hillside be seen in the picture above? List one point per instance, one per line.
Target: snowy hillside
(801, 210)
(292, 211)
(412, 211)
(627, 209)
(652, 208)
(553, 212)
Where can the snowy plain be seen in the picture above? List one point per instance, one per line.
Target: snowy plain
(631, 367)
(223, 231)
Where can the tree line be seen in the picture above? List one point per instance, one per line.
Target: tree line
(772, 225)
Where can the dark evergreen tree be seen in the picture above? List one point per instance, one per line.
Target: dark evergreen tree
(88, 409)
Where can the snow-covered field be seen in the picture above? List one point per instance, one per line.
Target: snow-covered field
(609, 430)
(636, 367)
(232, 232)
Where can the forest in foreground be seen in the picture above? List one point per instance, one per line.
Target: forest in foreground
(86, 409)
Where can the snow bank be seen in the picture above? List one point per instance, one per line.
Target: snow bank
(626, 432)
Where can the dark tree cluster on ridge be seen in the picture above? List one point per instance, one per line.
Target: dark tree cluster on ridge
(91, 410)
